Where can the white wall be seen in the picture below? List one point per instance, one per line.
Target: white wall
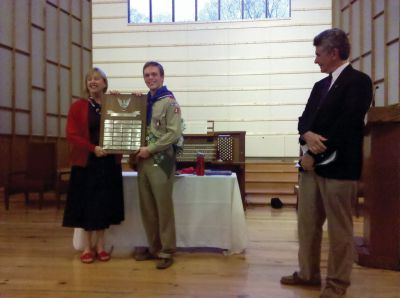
(244, 75)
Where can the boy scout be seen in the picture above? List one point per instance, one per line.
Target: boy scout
(156, 168)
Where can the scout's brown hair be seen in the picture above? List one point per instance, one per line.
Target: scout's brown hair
(154, 63)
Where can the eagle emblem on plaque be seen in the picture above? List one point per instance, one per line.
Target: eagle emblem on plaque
(124, 103)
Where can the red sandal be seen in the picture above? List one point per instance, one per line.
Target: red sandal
(87, 257)
(103, 256)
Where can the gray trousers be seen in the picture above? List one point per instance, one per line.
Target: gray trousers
(320, 199)
(156, 206)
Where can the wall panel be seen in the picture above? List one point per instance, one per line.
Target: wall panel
(378, 41)
(37, 57)
(5, 122)
(38, 112)
(64, 39)
(36, 47)
(22, 92)
(22, 119)
(6, 79)
(393, 70)
(6, 22)
(22, 30)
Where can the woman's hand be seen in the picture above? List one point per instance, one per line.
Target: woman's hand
(99, 152)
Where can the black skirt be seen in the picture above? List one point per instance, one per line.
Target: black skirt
(95, 197)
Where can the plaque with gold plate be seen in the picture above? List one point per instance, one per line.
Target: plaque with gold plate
(123, 123)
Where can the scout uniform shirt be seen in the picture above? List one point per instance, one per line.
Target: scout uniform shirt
(163, 131)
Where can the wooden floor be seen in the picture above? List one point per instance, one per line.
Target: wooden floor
(37, 260)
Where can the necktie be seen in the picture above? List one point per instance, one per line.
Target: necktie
(325, 87)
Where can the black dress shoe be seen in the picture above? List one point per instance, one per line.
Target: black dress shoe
(164, 263)
(144, 256)
(295, 280)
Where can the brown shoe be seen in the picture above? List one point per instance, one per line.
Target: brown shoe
(165, 263)
(331, 292)
(144, 256)
(295, 280)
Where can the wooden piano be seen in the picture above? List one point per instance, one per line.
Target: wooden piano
(223, 150)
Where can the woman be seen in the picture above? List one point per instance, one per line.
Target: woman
(95, 196)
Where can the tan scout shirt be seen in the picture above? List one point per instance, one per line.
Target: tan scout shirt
(165, 126)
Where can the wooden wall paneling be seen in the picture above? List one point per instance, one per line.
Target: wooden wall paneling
(65, 5)
(37, 13)
(5, 121)
(379, 58)
(29, 83)
(86, 26)
(6, 22)
(52, 89)
(355, 34)
(6, 79)
(65, 93)
(76, 8)
(45, 50)
(393, 95)
(76, 70)
(385, 59)
(5, 150)
(51, 33)
(345, 17)
(366, 20)
(86, 63)
(393, 16)
(52, 125)
(38, 62)
(38, 108)
(64, 38)
(22, 119)
(22, 25)
(69, 100)
(379, 6)
(13, 79)
(22, 81)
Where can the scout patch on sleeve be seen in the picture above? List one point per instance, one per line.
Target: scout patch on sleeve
(174, 103)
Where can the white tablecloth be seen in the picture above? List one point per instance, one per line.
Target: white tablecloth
(208, 213)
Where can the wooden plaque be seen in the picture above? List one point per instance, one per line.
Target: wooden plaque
(123, 123)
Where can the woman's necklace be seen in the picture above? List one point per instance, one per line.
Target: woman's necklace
(95, 105)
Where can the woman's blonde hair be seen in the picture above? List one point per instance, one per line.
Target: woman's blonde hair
(98, 71)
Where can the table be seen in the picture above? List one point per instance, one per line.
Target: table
(208, 214)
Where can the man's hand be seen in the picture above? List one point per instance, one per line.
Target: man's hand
(137, 93)
(314, 142)
(143, 153)
(307, 162)
(99, 152)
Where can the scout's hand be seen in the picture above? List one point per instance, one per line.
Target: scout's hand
(137, 93)
(307, 162)
(314, 142)
(143, 153)
(132, 160)
(100, 152)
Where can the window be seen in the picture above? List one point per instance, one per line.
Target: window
(159, 11)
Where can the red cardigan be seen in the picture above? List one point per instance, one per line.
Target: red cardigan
(78, 134)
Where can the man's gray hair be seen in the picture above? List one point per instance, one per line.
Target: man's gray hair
(334, 39)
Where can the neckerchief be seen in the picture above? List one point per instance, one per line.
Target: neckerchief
(160, 93)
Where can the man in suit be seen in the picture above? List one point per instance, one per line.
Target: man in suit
(331, 134)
